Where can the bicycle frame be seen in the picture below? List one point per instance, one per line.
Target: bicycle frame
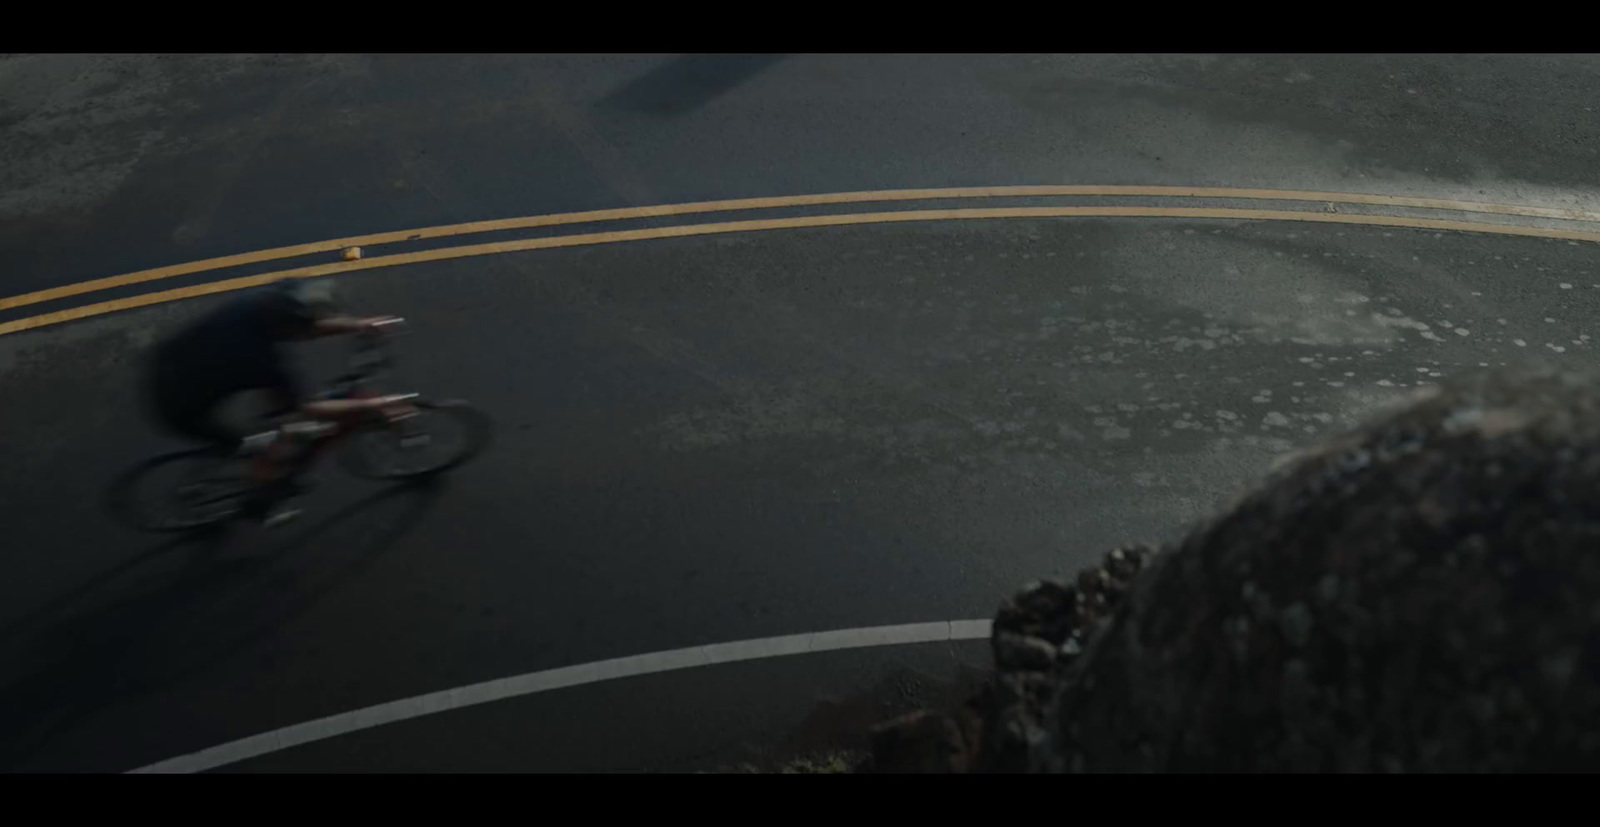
(371, 358)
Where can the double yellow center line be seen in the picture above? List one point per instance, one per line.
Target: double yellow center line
(1326, 215)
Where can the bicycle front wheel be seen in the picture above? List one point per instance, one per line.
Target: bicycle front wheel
(442, 436)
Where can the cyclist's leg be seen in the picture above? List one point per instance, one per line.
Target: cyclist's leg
(200, 424)
(174, 408)
(278, 466)
(274, 471)
(287, 443)
(273, 461)
(207, 424)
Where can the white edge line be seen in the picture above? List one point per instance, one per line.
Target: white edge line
(576, 675)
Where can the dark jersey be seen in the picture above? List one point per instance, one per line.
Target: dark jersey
(235, 348)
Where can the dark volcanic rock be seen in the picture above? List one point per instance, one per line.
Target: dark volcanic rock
(1422, 594)
(1037, 633)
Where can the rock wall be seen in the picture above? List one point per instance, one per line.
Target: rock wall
(1421, 594)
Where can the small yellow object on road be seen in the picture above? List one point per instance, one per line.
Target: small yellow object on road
(352, 253)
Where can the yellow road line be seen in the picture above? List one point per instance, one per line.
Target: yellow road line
(555, 219)
(781, 224)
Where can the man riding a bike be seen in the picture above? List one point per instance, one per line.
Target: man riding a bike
(238, 348)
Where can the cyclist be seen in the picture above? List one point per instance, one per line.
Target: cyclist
(236, 349)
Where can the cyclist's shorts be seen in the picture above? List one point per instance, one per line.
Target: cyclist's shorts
(174, 408)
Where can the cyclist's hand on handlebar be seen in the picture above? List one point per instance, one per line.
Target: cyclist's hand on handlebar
(395, 408)
(372, 328)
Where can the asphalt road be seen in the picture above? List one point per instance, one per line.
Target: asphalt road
(723, 437)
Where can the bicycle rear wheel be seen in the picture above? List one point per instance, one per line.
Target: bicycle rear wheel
(442, 436)
(181, 491)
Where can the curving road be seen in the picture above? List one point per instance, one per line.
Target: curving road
(722, 436)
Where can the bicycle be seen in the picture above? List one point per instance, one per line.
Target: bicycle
(212, 482)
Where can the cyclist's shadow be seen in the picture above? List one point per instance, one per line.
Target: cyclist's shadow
(103, 643)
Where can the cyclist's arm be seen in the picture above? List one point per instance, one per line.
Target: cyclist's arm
(340, 325)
